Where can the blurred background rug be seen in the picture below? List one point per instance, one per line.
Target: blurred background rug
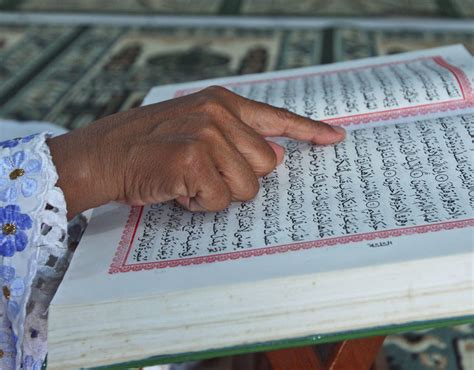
(72, 74)
(433, 8)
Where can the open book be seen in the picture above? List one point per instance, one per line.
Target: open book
(370, 233)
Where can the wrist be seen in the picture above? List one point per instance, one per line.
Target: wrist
(79, 175)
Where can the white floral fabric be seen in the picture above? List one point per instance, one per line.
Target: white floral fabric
(33, 234)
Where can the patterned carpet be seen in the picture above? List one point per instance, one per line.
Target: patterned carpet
(421, 8)
(439, 349)
(72, 74)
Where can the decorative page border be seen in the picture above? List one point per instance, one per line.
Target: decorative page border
(119, 262)
(467, 100)
(125, 245)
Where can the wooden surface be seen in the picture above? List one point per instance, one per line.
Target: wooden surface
(303, 358)
(355, 354)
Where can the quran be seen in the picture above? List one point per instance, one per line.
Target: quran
(372, 233)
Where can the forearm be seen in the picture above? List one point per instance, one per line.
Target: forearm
(79, 179)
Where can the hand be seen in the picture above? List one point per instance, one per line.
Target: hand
(203, 150)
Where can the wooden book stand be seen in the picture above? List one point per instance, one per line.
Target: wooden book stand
(354, 354)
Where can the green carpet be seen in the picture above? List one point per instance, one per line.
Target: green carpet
(440, 349)
(72, 75)
(432, 8)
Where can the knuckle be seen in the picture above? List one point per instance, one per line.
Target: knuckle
(191, 155)
(215, 90)
(268, 161)
(212, 106)
(319, 126)
(220, 201)
(208, 131)
(250, 190)
(211, 101)
(223, 202)
(284, 114)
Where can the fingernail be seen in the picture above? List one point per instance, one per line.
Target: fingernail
(194, 206)
(278, 149)
(184, 201)
(339, 129)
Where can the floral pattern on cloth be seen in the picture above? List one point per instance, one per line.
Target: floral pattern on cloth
(14, 226)
(32, 229)
(14, 142)
(17, 176)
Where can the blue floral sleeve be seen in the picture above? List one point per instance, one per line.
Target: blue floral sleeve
(32, 229)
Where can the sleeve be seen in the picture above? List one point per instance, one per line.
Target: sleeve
(33, 233)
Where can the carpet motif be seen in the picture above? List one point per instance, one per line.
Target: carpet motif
(420, 8)
(439, 349)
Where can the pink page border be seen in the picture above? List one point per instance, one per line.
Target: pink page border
(119, 261)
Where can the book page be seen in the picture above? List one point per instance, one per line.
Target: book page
(387, 194)
(430, 83)
(379, 183)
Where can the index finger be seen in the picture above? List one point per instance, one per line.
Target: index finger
(271, 121)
